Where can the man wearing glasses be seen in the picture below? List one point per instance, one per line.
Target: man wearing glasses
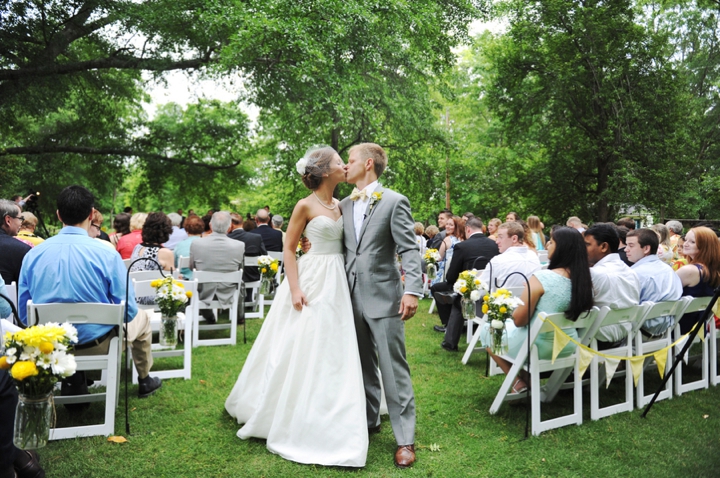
(13, 251)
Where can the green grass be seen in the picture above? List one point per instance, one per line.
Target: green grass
(183, 430)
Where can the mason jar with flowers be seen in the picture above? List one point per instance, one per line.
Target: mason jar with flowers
(431, 257)
(170, 297)
(268, 268)
(468, 285)
(499, 307)
(37, 357)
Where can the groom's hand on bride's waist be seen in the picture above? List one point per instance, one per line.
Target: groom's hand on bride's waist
(408, 306)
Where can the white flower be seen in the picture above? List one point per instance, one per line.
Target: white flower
(63, 364)
(10, 353)
(44, 361)
(475, 295)
(70, 331)
(301, 165)
(497, 324)
(459, 285)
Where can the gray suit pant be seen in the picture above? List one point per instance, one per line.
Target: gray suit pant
(382, 341)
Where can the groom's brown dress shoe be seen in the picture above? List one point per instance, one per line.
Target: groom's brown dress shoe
(405, 456)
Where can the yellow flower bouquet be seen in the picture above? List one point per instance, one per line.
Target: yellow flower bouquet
(499, 307)
(268, 268)
(170, 297)
(37, 357)
(468, 285)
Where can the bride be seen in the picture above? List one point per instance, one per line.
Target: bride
(301, 387)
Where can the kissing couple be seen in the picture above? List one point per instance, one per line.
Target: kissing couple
(310, 385)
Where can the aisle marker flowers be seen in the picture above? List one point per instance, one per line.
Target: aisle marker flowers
(499, 307)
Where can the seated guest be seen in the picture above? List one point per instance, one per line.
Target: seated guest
(121, 224)
(454, 234)
(177, 234)
(96, 231)
(512, 217)
(155, 233)
(217, 253)
(564, 287)
(194, 227)
(658, 281)
(664, 248)
(27, 229)
(536, 228)
(443, 217)
(627, 222)
(473, 253)
(72, 267)
(675, 228)
(430, 232)
(492, 228)
(249, 225)
(682, 259)
(421, 241)
(622, 234)
(702, 274)
(514, 257)
(528, 241)
(126, 244)
(272, 238)
(254, 247)
(575, 223)
(614, 284)
(206, 219)
(277, 223)
(13, 251)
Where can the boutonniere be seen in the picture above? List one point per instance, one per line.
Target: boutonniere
(374, 198)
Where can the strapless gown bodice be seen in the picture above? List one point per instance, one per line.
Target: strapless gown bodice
(325, 235)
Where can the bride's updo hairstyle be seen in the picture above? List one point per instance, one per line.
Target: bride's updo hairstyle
(314, 164)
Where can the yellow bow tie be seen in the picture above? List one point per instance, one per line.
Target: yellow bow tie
(358, 194)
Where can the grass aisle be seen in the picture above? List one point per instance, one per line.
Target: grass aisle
(184, 430)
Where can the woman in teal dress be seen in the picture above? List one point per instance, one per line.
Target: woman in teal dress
(566, 286)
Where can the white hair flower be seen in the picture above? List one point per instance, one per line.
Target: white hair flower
(301, 165)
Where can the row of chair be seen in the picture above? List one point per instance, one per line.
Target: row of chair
(637, 344)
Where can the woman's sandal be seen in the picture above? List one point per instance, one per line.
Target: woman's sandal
(518, 391)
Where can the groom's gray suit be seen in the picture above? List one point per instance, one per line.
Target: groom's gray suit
(376, 290)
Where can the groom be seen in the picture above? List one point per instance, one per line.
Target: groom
(378, 225)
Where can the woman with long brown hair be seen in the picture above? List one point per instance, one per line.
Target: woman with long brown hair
(454, 233)
(702, 274)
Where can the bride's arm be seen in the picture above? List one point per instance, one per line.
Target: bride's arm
(296, 226)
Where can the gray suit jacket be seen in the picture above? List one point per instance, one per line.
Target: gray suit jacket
(217, 253)
(370, 262)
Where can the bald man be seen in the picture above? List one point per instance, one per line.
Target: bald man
(272, 238)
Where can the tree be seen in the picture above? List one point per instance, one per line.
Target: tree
(593, 89)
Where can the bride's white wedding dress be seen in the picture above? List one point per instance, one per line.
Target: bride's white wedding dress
(301, 387)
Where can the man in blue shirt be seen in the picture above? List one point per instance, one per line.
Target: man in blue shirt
(658, 281)
(72, 267)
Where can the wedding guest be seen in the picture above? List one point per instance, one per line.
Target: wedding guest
(528, 240)
(514, 256)
(443, 217)
(27, 229)
(194, 227)
(622, 234)
(121, 224)
(702, 274)
(96, 231)
(249, 225)
(512, 216)
(536, 229)
(682, 259)
(472, 253)
(565, 286)
(430, 232)
(277, 223)
(422, 243)
(627, 222)
(272, 238)
(664, 248)
(675, 228)
(575, 223)
(492, 228)
(658, 282)
(127, 242)
(454, 233)
(614, 284)
(155, 233)
(206, 219)
(13, 251)
(254, 247)
(177, 234)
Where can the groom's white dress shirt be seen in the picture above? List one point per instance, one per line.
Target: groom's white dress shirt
(359, 207)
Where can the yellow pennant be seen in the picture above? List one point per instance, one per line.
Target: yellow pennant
(561, 339)
(610, 367)
(586, 357)
(701, 332)
(636, 363)
(661, 360)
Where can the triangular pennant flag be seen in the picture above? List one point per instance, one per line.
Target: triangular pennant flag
(611, 365)
(560, 341)
(661, 360)
(586, 357)
(636, 363)
(701, 332)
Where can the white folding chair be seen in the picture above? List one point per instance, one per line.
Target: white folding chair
(79, 314)
(183, 262)
(713, 337)
(646, 345)
(12, 295)
(585, 323)
(227, 278)
(692, 304)
(185, 322)
(127, 262)
(626, 318)
(255, 307)
(147, 275)
(543, 256)
(278, 274)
